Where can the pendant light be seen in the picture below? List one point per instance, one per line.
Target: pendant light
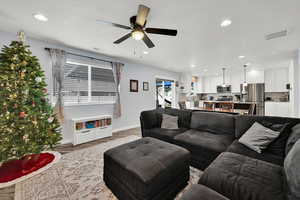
(223, 70)
(245, 76)
(245, 84)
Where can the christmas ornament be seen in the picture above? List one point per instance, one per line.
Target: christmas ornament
(38, 79)
(50, 119)
(22, 114)
(22, 75)
(24, 63)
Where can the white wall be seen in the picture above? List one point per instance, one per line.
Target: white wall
(132, 103)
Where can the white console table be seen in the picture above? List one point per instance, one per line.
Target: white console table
(87, 129)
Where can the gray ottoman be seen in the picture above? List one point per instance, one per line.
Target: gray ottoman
(146, 169)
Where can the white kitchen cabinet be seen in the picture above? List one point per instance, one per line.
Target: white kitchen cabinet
(276, 79)
(255, 76)
(210, 83)
(185, 81)
(236, 81)
(281, 109)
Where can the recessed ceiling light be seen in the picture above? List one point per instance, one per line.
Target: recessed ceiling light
(146, 52)
(241, 57)
(226, 22)
(40, 17)
(193, 66)
(248, 63)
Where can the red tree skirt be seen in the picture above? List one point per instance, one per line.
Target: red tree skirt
(14, 169)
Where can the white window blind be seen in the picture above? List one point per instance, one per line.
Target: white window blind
(88, 81)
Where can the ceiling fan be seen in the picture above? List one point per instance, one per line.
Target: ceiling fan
(138, 30)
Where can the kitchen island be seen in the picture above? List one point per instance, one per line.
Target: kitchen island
(229, 106)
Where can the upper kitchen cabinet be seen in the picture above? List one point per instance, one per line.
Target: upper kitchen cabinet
(210, 84)
(236, 80)
(276, 79)
(185, 82)
(255, 76)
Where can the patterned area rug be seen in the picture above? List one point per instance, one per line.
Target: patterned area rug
(77, 176)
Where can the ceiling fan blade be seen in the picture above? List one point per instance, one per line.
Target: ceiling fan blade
(125, 37)
(148, 42)
(143, 12)
(114, 24)
(161, 31)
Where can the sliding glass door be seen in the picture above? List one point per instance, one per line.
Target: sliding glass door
(165, 93)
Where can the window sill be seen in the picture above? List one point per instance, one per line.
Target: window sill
(89, 103)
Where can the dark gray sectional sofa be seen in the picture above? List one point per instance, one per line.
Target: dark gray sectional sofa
(230, 169)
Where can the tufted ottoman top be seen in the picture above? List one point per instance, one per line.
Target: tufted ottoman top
(145, 165)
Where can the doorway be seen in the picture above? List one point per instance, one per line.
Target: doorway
(165, 93)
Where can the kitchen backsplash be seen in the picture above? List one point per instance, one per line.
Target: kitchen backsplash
(277, 96)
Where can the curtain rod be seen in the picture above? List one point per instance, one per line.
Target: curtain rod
(74, 54)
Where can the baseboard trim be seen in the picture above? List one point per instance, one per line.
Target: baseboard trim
(66, 141)
(125, 128)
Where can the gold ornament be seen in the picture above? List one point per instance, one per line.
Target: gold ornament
(22, 75)
(12, 66)
(24, 63)
(13, 96)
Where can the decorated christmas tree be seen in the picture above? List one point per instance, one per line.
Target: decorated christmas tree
(27, 122)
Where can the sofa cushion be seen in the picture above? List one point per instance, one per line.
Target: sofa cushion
(184, 116)
(292, 171)
(203, 145)
(239, 148)
(169, 121)
(164, 134)
(244, 122)
(218, 123)
(240, 177)
(198, 191)
(258, 137)
(149, 119)
(294, 136)
(277, 147)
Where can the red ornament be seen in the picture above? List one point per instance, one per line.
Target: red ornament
(22, 114)
(17, 168)
(33, 104)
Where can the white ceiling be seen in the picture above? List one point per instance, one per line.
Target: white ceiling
(200, 40)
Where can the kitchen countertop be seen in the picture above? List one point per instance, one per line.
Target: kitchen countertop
(234, 102)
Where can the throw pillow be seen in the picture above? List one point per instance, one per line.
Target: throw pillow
(277, 146)
(292, 139)
(292, 169)
(169, 121)
(258, 137)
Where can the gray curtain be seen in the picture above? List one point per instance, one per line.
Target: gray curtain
(117, 69)
(58, 60)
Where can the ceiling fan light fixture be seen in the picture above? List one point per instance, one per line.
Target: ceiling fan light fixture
(137, 35)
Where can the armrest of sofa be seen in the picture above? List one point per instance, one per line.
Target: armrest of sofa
(149, 119)
(201, 192)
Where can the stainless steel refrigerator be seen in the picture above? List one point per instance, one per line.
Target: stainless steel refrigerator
(255, 93)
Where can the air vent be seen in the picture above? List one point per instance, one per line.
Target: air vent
(276, 35)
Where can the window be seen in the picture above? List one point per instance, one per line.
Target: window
(88, 82)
